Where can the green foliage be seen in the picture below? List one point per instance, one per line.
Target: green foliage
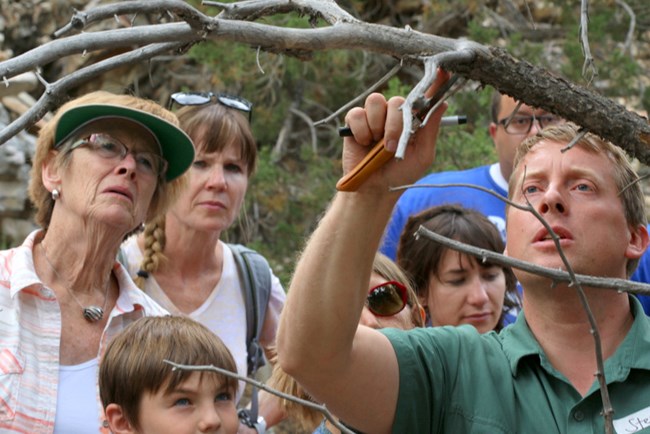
(481, 34)
(396, 88)
(465, 146)
(618, 72)
(283, 206)
(292, 189)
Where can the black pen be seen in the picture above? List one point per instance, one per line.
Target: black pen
(446, 121)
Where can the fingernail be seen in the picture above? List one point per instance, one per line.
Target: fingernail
(391, 145)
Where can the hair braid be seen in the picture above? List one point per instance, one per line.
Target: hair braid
(154, 244)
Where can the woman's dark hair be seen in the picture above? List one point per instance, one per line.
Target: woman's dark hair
(420, 258)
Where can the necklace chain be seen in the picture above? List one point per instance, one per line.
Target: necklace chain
(91, 313)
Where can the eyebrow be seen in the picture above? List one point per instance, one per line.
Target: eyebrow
(182, 391)
(573, 172)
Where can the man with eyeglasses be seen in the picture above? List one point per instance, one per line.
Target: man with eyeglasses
(510, 125)
(535, 376)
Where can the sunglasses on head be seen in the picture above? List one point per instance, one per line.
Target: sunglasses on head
(200, 98)
(386, 299)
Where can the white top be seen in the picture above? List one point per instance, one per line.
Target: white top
(497, 176)
(76, 406)
(30, 336)
(223, 311)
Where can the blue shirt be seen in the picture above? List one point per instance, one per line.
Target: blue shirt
(642, 274)
(415, 200)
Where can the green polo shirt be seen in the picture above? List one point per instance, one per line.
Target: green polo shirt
(455, 380)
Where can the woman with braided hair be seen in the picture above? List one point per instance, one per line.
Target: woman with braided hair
(180, 260)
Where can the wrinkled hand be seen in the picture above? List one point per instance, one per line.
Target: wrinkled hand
(379, 119)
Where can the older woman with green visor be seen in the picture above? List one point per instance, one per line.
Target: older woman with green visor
(104, 165)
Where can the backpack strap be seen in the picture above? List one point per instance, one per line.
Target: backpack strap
(256, 284)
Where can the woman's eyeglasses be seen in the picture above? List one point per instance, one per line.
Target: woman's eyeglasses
(107, 147)
(386, 299)
(200, 98)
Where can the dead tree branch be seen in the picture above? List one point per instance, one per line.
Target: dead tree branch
(487, 65)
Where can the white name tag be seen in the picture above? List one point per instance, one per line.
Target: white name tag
(634, 422)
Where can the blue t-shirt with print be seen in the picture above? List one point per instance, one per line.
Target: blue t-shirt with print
(418, 199)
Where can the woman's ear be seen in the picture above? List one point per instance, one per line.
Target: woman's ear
(423, 315)
(117, 420)
(50, 172)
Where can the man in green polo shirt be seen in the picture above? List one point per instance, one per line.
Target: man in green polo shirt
(536, 376)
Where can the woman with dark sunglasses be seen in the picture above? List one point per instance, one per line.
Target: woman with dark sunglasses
(180, 260)
(391, 302)
(455, 288)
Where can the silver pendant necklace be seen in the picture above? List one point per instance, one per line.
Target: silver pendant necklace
(91, 313)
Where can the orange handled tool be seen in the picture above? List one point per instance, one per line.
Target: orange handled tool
(378, 155)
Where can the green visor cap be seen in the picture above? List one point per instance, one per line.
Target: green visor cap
(175, 146)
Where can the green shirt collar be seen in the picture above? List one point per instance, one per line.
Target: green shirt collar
(519, 342)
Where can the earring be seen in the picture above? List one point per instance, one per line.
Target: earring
(55, 194)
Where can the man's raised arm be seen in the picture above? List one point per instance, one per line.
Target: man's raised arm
(353, 370)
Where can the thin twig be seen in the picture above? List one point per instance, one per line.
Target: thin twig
(608, 411)
(310, 124)
(262, 386)
(573, 280)
(53, 92)
(417, 94)
(257, 60)
(620, 285)
(390, 74)
(588, 64)
(627, 46)
(576, 139)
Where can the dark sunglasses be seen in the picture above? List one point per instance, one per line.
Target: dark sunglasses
(200, 98)
(386, 299)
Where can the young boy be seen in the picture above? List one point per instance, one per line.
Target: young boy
(143, 394)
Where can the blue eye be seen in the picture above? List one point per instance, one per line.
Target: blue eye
(224, 396)
(182, 402)
(531, 189)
